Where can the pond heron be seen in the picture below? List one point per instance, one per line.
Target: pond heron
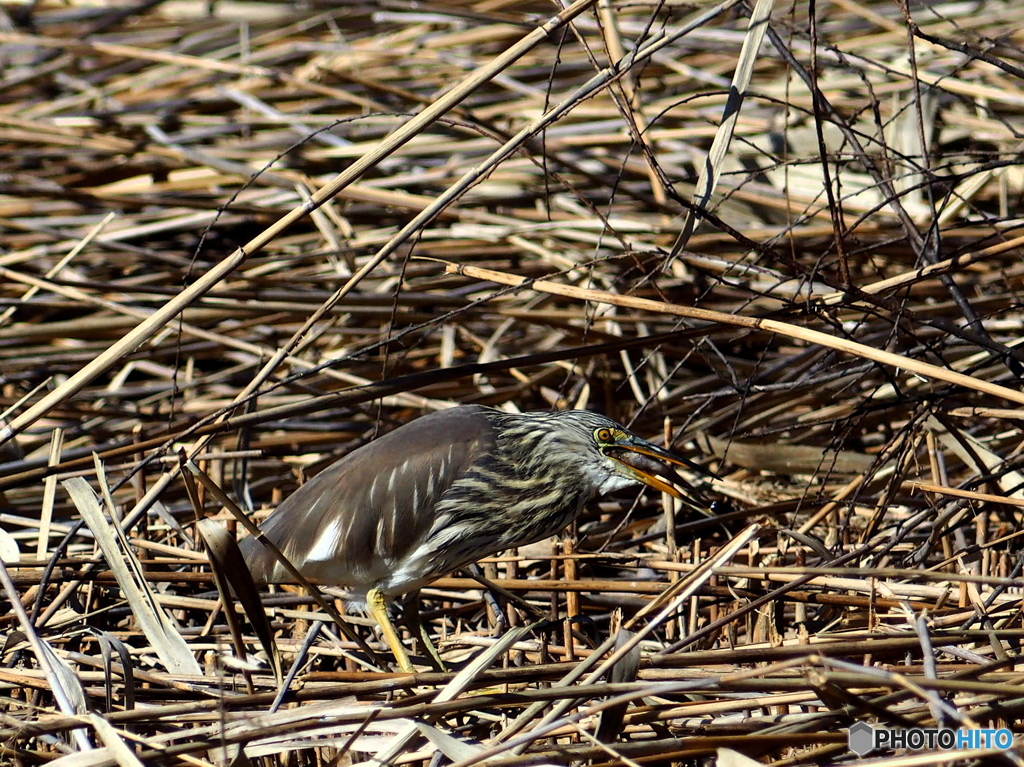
(446, 490)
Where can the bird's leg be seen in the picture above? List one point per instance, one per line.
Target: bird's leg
(412, 618)
(500, 623)
(379, 610)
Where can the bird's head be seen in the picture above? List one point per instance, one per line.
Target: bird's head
(609, 455)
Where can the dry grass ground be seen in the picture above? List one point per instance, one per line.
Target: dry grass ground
(258, 234)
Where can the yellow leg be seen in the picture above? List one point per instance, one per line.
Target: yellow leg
(379, 610)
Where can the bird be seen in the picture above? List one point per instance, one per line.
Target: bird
(447, 489)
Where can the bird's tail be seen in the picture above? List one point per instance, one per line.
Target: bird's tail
(260, 561)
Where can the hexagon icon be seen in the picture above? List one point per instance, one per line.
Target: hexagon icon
(861, 738)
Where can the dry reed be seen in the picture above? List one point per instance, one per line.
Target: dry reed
(259, 234)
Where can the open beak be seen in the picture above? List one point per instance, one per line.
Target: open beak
(647, 463)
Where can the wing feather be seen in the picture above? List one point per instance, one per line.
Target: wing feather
(354, 522)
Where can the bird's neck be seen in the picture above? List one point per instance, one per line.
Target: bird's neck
(532, 448)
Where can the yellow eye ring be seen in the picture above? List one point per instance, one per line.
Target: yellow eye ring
(603, 435)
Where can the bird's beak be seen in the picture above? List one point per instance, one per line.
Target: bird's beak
(636, 455)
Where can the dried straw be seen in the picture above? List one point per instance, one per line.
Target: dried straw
(784, 238)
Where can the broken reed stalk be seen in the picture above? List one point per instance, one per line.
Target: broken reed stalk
(222, 235)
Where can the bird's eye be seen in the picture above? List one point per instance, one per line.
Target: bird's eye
(603, 435)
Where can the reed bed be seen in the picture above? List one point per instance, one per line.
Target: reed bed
(781, 238)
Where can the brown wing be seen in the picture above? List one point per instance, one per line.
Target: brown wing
(352, 524)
